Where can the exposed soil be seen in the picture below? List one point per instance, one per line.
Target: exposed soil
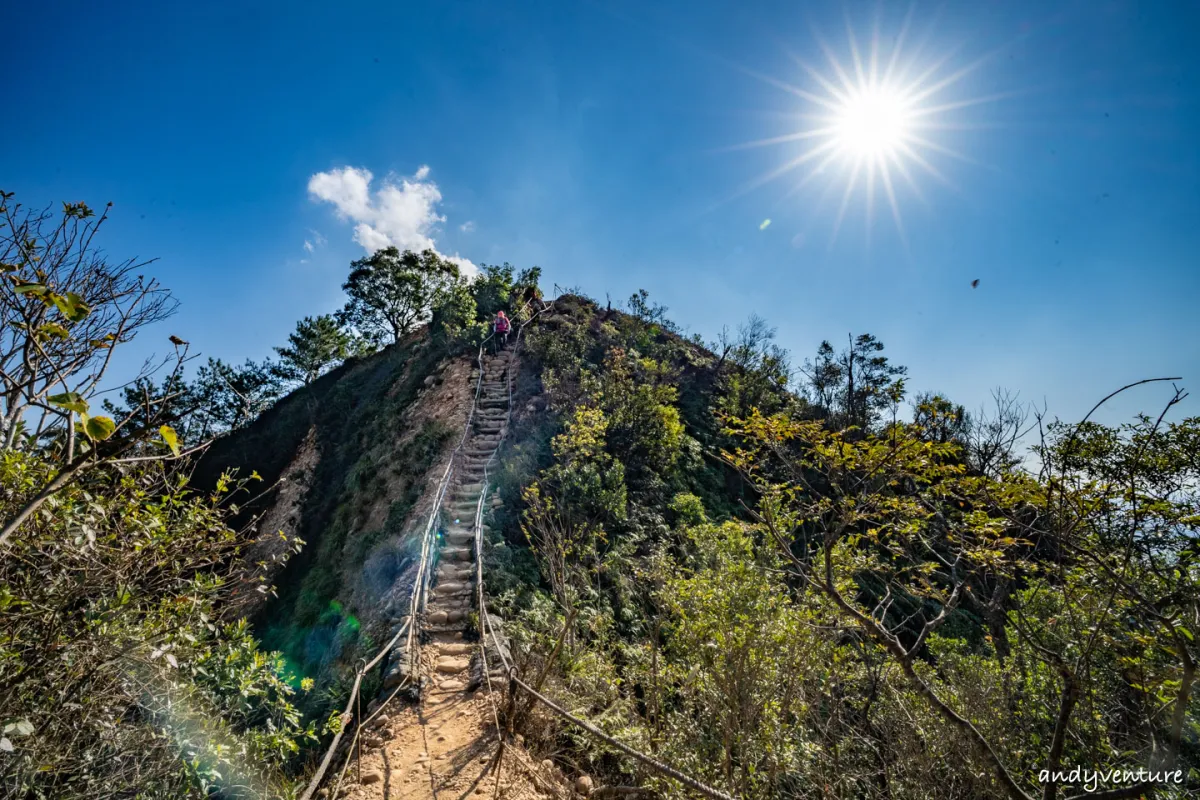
(282, 516)
(446, 747)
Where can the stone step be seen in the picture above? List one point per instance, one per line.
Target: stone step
(452, 665)
(482, 439)
(455, 648)
(458, 554)
(440, 619)
(446, 598)
(462, 601)
(455, 572)
(455, 531)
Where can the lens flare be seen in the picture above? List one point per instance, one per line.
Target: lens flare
(870, 120)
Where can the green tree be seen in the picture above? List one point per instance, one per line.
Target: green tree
(939, 419)
(526, 289)
(392, 292)
(647, 311)
(231, 396)
(645, 432)
(753, 370)
(493, 290)
(854, 387)
(1091, 562)
(572, 502)
(318, 344)
(454, 313)
(65, 311)
(118, 679)
(734, 665)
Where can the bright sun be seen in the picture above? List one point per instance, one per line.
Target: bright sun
(873, 122)
(875, 118)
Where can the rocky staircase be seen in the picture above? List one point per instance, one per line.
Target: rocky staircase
(452, 598)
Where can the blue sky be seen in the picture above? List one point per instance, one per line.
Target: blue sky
(594, 139)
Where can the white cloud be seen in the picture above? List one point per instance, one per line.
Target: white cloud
(312, 244)
(402, 213)
(468, 226)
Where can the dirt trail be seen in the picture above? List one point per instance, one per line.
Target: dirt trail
(444, 747)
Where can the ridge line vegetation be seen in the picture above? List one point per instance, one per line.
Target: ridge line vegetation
(782, 579)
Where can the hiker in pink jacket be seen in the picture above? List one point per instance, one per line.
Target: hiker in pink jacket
(503, 326)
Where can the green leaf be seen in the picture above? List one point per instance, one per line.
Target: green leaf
(72, 306)
(54, 329)
(71, 401)
(35, 289)
(99, 428)
(170, 437)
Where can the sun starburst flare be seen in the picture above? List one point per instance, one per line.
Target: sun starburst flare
(871, 124)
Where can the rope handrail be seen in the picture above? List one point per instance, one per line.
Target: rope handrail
(486, 630)
(420, 593)
(315, 782)
(420, 585)
(649, 761)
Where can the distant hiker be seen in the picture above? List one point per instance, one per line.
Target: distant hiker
(502, 328)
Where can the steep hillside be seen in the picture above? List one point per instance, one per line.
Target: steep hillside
(349, 461)
(772, 594)
(352, 463)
